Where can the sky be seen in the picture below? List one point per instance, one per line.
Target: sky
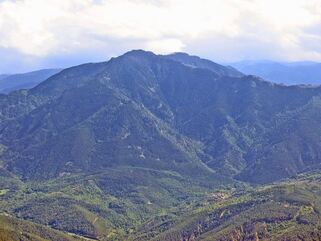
(38, 34)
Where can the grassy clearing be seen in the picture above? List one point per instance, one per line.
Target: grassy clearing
(4, 191)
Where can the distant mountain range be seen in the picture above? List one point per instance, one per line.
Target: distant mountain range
(294, 73)
(153, 147)
(26, 80)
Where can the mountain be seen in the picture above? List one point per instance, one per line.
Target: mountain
(101, 149)
(24, 81)
(2, 76)
(295, 73)
(197, 62)
(102, 115)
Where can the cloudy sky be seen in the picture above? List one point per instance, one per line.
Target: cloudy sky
(57, 33)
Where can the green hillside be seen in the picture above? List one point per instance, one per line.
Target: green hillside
(286, 211)
(12, 229)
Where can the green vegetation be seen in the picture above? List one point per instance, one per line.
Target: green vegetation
(109, 205)
(164, 209)
(12, 229)
(286, 211)
(3, 191)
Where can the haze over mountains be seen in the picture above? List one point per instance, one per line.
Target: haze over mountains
(125, 149)
(26, 80)
(292, 73)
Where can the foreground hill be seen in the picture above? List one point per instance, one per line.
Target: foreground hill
(107, 205)
(286, 211)
(12, 229)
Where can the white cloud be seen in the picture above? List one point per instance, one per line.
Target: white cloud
(41, 29)
(165, 45)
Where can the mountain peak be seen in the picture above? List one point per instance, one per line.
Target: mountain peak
(139, 53)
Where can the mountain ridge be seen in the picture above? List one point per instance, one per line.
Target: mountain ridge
(150, 83)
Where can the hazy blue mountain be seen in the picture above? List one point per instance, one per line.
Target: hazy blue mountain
(24, 81)
(2, 76)
(285, 73)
